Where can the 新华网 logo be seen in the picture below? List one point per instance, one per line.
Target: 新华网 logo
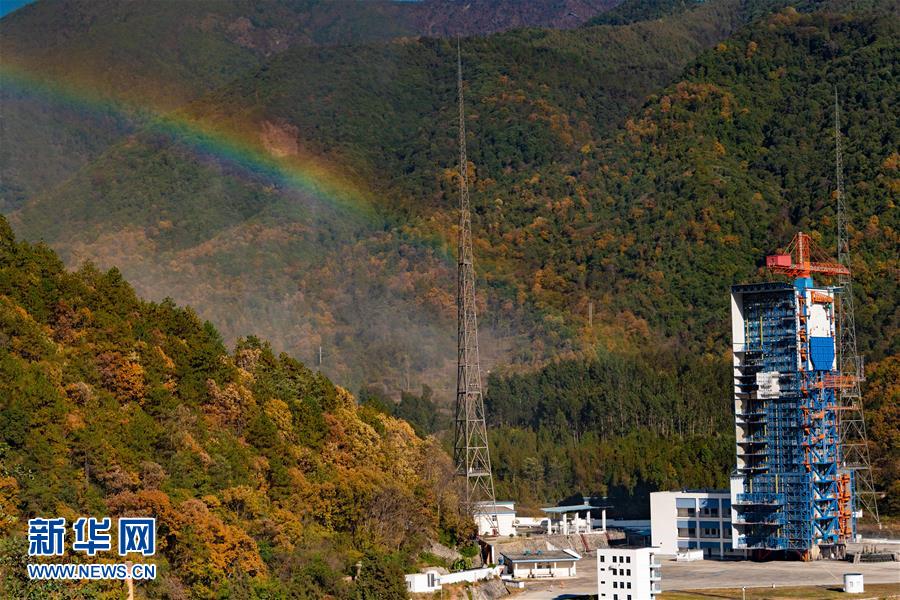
(135, 535)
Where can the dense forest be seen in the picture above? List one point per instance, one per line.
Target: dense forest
(266, 479)
(623, 427)
(252, 251)
(631, 170)
(131, 61)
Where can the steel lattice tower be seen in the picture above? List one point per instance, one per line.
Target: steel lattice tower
(470, 450)
(854, 440)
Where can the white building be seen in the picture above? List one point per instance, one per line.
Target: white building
(431, 580)
(692, 520)
(627, 574)
(541, 564)
(504, 511)
(423, 583)
(580, 520)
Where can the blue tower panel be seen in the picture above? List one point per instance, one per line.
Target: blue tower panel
(788, 492)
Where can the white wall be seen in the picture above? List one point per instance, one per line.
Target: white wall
(472, 575)
(663, 529)
(504, 521)
(737, 487)
(418, 583)
(627, 571)
(664, 534)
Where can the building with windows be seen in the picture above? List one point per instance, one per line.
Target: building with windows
(423, 583)
(627, 573)
(503, 522)
(431, 580)
(541, 564)
(692, 520)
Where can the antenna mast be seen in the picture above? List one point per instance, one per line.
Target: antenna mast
(470, 449)
(854, 440)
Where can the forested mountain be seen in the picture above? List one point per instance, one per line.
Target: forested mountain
(640, 167)
(252, 251)
(267, 480)
(131, 58)
(625, 426)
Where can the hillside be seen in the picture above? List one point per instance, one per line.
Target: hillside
(373, 128)
(642, 167)
(267, 480)
(625, 426)
(136, 57)
(582, 194)
(701, 184)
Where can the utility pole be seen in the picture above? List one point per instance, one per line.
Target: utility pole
(854, 441)
(470, 449)
(406, 369)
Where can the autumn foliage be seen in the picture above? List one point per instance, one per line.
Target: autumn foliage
(265, 478)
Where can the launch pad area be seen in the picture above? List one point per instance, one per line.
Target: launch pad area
(714, 574)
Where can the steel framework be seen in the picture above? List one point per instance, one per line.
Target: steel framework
(793, 493)
(852, 424)
(470, 451)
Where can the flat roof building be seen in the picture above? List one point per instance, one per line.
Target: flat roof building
(541, 564)
(625, 573)
(692, 520)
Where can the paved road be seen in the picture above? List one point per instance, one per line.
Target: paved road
(712, 574)
(716, 574)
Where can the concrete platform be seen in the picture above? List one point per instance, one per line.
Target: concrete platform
(714, 574)
(722, 574)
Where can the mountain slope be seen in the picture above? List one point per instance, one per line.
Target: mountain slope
(266, 479)
(141, 58)
(373, 285)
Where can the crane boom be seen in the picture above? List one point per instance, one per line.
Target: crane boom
(802, 248)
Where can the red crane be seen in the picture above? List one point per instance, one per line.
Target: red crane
(802, 248)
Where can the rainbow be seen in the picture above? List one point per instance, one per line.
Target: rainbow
(301, 171)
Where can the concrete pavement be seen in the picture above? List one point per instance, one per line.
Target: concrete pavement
(719, 574)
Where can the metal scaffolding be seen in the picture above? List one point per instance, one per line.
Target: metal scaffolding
(793, 493)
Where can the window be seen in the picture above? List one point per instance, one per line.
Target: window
(602, 558)
(615, 585)
(431, 580)
(628, 572)
(687, 512)
(628, 559)
(709, 532)
(629, 585)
